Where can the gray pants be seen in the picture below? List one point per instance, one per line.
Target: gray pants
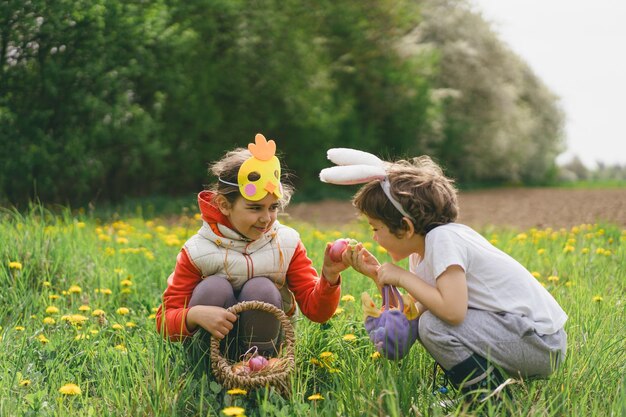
(507, 340)
(254, 327)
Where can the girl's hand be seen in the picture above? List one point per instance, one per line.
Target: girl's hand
(362, 261)
(331, 269)
(390, 274)
(216, 320)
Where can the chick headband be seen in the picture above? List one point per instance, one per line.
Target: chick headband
(358, 167)
(259, 175)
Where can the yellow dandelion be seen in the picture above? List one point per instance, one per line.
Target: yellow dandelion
(152, 316)
(315, 397)
(20, 328)
(553, 278)
(24, 383)
(315, 361)
(15, 265)
(46, 284)
(98, 312)
(347, 298)
(84, 307)
(584, 250)
(117, 326)
(109, 251)
(536, 274)
(94, 331)
(121, 240)
(233, 411)
(569, 283)
(104, 238)
(568, 249)
(325, 355)
(236, 391)
(121, 348)
(48, 320)
(597, 298)
(126, 283)
(600, 251)
(70, 389)
(334, 370)
(80, 225)
(338, 311)
(541, 251)
(122, 311)
(75, 289)
(81, 337)
(380, 249)
(349, 337)
(54, 296)
(375, 355)
(43, 339)
(77, 319)
(106, 291)
(130, 324)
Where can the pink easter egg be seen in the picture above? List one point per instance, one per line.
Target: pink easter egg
(337, 249)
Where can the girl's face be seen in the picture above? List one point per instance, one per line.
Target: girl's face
(252, 218)
(398, 248)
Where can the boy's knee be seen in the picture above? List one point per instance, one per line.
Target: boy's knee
(431, 330)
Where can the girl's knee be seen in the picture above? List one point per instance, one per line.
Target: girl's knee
(261, 289)
(213, 291)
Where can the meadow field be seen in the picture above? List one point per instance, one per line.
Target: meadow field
(78, 337)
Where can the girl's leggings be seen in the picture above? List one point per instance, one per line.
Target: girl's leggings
(253, 327)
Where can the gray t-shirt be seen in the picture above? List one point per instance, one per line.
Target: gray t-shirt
(495, 281)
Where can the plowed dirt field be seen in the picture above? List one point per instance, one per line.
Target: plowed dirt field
(511, 208)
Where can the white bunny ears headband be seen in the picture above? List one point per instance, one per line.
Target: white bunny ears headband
(358, 167)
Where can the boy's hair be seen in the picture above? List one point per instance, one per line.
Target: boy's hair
(422, 189)
(227, 169)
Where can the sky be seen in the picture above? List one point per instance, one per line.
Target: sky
(578, 49)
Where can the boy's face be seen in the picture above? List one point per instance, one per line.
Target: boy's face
(252, 218)
(397, 248)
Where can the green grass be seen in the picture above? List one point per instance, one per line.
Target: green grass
(80, 263)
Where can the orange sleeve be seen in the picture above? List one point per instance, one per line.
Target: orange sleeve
(176, 298)
(317, 298)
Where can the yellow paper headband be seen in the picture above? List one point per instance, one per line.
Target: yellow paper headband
(259, 175)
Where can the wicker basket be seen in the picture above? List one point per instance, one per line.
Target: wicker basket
(277, 377)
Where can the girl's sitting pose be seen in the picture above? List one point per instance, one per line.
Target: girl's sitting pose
(242, 253)
(478, 306)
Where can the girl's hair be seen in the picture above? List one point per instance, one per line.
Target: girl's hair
(227, 169)
(422, 189)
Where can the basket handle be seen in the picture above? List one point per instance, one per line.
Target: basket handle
(391, 291)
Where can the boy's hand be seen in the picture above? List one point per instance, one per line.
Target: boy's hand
(216, 320)
(362, 261)
(331, 269)
(390, 274)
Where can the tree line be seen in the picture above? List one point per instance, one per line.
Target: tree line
(104, 99)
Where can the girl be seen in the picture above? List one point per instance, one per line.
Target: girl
(478, 306)
(243, 253)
